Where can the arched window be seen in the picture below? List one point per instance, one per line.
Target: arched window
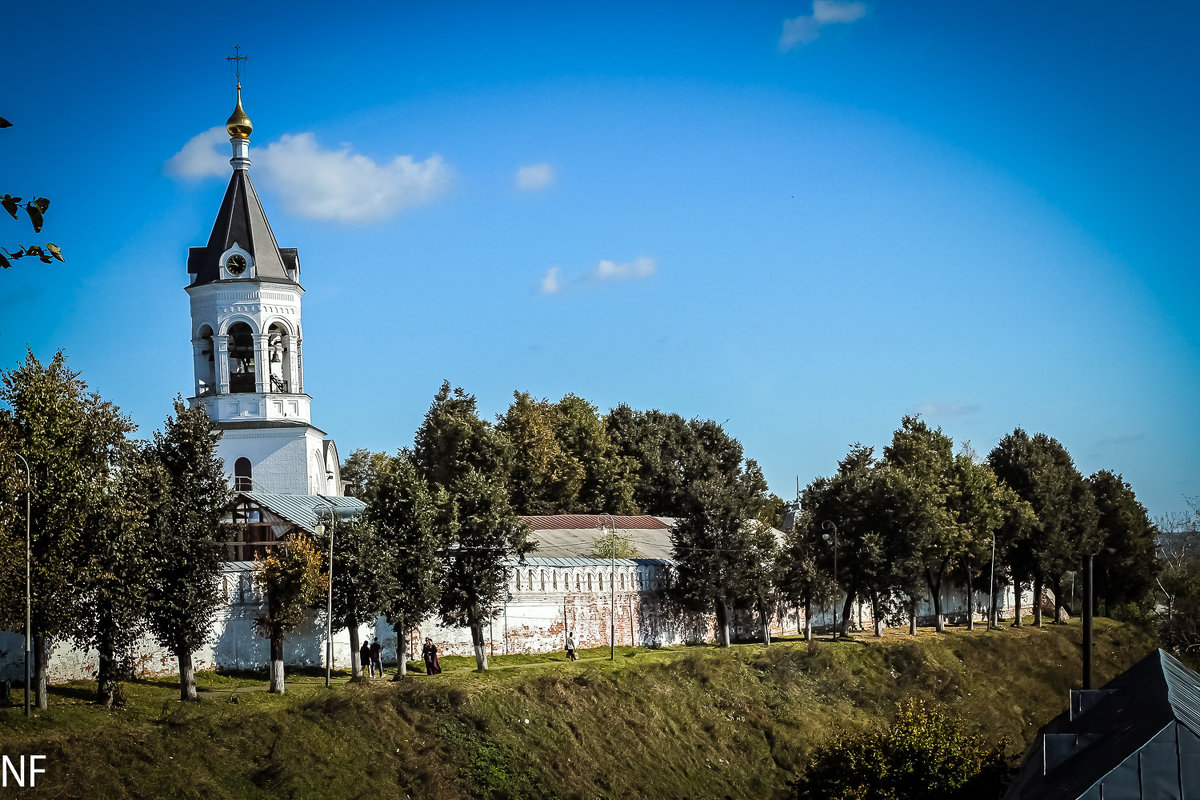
(279, 349)
(243, 479)
(206, 371)
(589, 581)
(600, 579)
(554, 580)
(241, 358)
(622, 581)
(531, 580)
(542, 581)
(577, 580)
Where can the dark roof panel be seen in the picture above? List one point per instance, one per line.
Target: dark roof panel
(242, 221)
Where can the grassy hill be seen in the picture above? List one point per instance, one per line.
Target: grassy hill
(681, 722)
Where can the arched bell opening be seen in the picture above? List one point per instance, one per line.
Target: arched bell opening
(243, 477)
(206, 365)
(279, 352)
(241, 358)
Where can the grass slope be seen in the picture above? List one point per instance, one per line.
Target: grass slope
(683, 722)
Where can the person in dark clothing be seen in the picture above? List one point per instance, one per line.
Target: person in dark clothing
(364, 659)
(377, 657)
(430, 653)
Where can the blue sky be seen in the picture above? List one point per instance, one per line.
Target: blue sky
(802, 220)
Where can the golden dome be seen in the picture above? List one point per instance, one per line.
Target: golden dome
(239, 126)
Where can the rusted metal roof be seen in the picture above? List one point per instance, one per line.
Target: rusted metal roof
(592, 522)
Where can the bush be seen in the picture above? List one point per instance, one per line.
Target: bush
(923, 753)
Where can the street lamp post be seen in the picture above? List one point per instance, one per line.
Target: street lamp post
(612, 586)
(831, 525)
(28, 585)
(992, 590)
(320, 531)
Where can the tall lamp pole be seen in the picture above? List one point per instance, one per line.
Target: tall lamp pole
(831, 525)
(320, 530)
(612, 586)
(28, 585)
(992, 590)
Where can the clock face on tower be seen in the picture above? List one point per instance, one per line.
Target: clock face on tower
(236, 264)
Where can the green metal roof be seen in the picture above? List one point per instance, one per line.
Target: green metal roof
(306, 510)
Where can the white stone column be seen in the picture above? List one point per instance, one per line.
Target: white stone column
(262, 364)
(293, 365)
(221, 343)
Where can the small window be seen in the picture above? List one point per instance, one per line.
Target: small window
(531, 580)
(554, 580)
(541, 581)
(242, 479)
(622, 581)
(589, 581)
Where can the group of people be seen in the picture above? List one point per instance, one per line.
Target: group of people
(371, 654)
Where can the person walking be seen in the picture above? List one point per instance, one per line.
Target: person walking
(364, 659)
(377, 657)
(571, 646)
(430, 654)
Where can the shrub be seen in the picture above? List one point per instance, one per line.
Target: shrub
(923, 753)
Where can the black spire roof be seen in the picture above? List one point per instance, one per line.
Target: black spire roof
(243, 222)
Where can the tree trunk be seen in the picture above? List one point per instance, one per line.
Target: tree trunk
(877, 614)
(766, 624)
(187, 675)
(994, 608)
(1016, 601)
(935, 590)
(1037, 601)
(401, 650)
(356, 667)
(970, 600)
(277, 685)
(477, 642)
(106, 672)
(722, 624)
(41, 669)
(807, 619)
(844, 626)
(1058, 604)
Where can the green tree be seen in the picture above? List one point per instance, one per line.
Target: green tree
(607, 484)
(924, 460)
(70, 438)
(866, 501)
(466, 463)
(804, 577)
(404, 517)
(1040, 470)
(185, 553)
(977, 504)
(289, 577)
(545, 478)
(482, 537)
(719, 563)
(360, 471)
(110, 590)
(1125, 566)
(362, 577)
(924, 753)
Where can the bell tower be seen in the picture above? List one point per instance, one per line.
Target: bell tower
(247, 343)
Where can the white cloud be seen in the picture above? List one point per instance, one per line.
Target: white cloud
(804, 29)
(608, 270)
(200, 158)
(337, 185)
(345, 186)
(550, 284)
(534, 177)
